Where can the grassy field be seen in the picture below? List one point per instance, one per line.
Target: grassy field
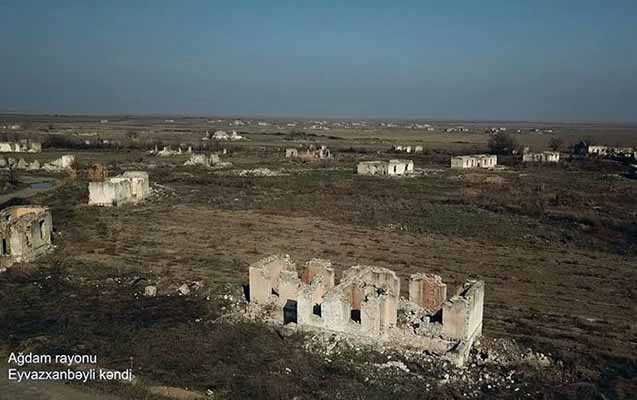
(555, 245)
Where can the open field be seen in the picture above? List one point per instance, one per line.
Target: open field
(555, 245)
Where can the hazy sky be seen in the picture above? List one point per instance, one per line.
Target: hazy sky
(488, 59)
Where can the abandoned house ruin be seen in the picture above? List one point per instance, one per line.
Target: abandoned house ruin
(474, 161)
(129, 187)
(312, 153)
(63, 163)
(20, 146)
(291, 153)
(391, 167)
(366, 302)
(407, 149)
(25, 233)
(203, 159)
(545, 156)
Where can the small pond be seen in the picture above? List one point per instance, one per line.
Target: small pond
(42, 185)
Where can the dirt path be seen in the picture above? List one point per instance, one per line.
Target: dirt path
(12, 390)
(29, 191)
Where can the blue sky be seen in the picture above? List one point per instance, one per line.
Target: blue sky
(554, 60)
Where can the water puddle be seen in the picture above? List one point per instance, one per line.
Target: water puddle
(42, 185)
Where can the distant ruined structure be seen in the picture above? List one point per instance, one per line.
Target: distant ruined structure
(129, 187)
(203, 159)
(312, 153)
(64, 163)
(21, 146)
(545, 156)
(25, 232)
(474, 161)
(366, 302)
(391, 167)
(605, 151)
(407, 149)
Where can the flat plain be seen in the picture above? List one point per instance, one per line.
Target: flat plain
(555, 244)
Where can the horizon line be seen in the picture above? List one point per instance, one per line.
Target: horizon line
(306, 118)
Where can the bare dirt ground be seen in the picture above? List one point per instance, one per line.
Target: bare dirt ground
(556, 247)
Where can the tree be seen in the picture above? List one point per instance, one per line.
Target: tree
(502, 143)
(556, 143)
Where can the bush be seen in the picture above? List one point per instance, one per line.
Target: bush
(556, 143)
(502, 143)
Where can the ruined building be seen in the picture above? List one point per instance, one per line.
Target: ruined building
(25, 232)
(129, 187)
(391, 167)
(366, 302)
(407, 149)
(21, 146)
(203, 159)
(474, 161)
(545, 156)
(312, 153)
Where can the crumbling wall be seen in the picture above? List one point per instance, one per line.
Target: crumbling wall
(21, 146)
(113, 192)
(474, 161)
(372, 168)
(462, 314)
(63, 163)
(366, 303)
(400, 167)
(203, 159)
(427, 290)
(391, 167)
(25, 233)
(130, 187)
(545, 156)
(264, 277)
(317, 279)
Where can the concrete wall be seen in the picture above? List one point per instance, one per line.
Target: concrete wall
(462, 314)
(474, 161)
(22, 146)
(264, 277)
(130, 187)
(371, 168)
(545, 156)
(462, 162)
(392, 167)
(25, 233)
(400, 167)
(428, 291)
(366, 303)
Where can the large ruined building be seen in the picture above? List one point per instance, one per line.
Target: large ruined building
(474, 161)
(21, 146)
(366, 302)
(25, 232)
(129, 187)
(391, 167)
